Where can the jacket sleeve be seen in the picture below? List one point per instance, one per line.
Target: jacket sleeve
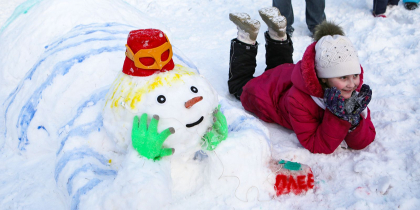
(315, 134)
(362, 135)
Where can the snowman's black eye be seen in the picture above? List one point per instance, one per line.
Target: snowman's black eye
(161, 99)
(194, 89)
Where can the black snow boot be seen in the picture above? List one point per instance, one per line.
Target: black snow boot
(277, 52)
(241, 65)
(410, 5)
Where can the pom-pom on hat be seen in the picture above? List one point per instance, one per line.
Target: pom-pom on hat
(148, 51)
(335, 55)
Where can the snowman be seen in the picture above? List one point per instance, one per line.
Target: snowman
(160, 107)
(167, 120)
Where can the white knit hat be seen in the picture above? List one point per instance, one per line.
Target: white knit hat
(335, 56)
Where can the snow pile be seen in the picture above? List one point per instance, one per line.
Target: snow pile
(56, 114)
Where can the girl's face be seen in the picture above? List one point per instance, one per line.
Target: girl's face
(346, 84)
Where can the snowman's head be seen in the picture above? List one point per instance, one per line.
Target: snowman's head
(181, 98)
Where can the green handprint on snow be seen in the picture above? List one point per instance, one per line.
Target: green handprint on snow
(147, 141)
(218, 132)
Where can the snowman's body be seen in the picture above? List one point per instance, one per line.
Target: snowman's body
(185, 100)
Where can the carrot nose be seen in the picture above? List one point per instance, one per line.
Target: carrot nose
(193, 101)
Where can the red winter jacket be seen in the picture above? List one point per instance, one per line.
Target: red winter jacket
(283, 95)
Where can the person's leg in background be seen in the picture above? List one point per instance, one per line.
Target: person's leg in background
(393, 2)
(315, 13)
(286, 9)
(379, 8)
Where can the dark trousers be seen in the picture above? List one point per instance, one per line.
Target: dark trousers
(314, 13)
(379, 6)
(243, 61)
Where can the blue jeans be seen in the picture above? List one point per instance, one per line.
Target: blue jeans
(314, 13)
(379, 6)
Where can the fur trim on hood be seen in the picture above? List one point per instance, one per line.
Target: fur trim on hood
(308, 72)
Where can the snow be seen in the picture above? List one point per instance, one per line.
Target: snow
(58, 60)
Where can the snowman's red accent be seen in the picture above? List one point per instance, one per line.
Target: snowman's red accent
(156, 52)
(292, 181)
(286, 184)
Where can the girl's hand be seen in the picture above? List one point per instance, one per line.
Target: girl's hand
(335, 103)
(363, 99)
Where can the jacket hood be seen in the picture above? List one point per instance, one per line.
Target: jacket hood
(304, 75)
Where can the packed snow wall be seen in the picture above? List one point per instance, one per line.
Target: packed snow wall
(58, 61)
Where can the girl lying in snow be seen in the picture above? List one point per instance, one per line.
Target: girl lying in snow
(321, 98)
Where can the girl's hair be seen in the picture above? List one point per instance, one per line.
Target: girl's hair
(323, 84)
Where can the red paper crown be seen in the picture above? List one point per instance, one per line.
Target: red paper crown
(148, 51)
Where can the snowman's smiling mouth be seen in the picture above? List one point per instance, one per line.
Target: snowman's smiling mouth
(195, 123)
